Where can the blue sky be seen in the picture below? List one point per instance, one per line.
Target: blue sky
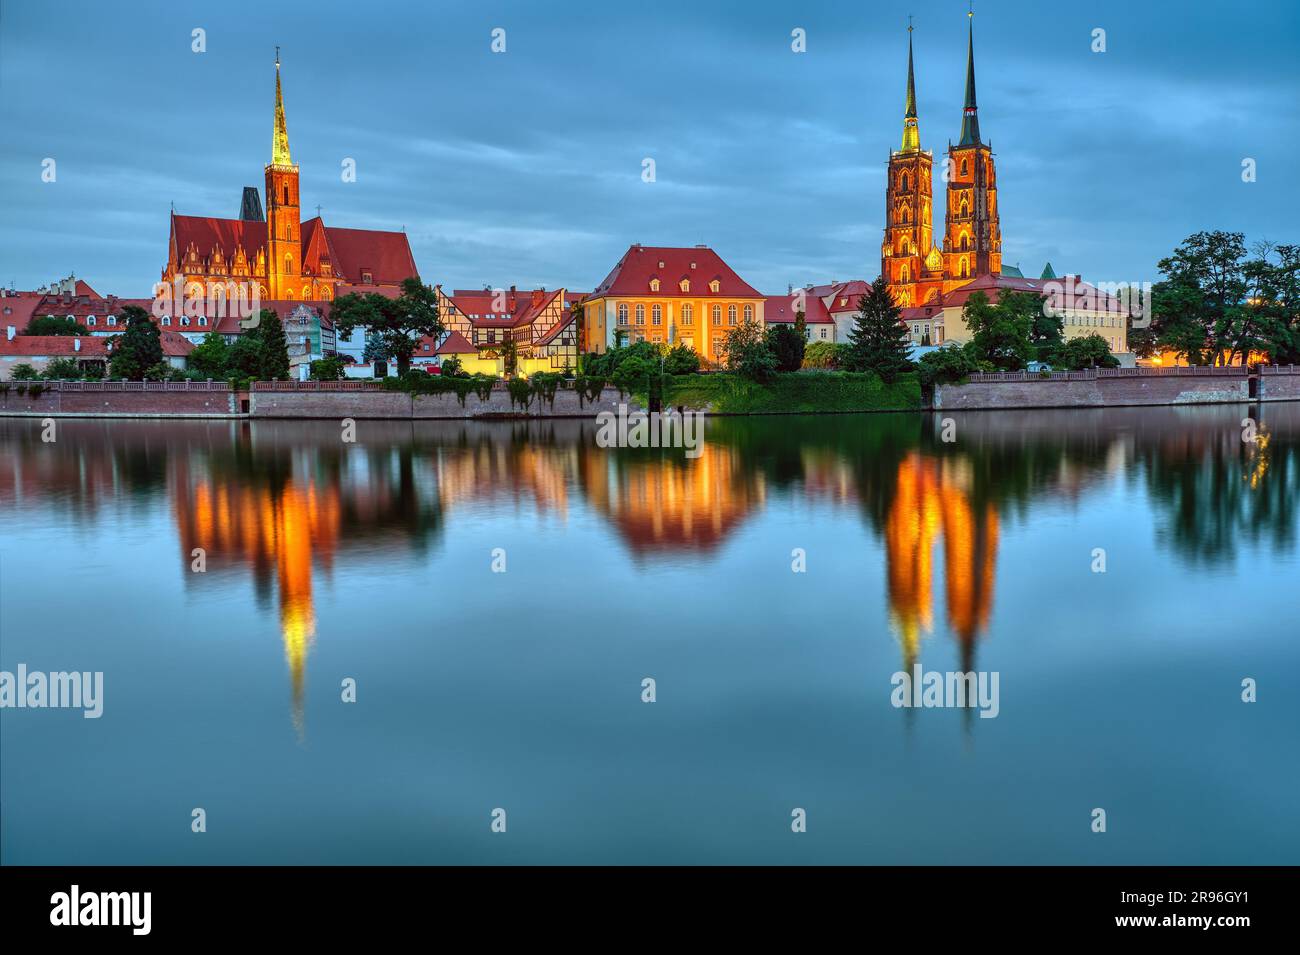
(524, 167)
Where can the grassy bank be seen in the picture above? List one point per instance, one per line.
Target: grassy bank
(805, 391)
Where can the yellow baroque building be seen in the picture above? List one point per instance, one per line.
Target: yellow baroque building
(686, 296)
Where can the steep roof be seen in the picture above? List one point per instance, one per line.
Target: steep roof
(456, 344)
(700, 264)
(781, 308)
(386, 255)
(206, 233)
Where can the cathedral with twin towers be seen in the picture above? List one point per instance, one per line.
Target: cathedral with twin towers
(917, 269)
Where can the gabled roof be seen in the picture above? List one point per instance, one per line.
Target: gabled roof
(385, 255)
(522, 307)
(1013, 271)
(700, 264)
(456, 344)
(207, 233)
(1074, 293)
(781, 308)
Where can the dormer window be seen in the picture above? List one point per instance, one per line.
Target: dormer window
(661, 265)
(714, 286)
(112, 320)
(685, 285)
(692, 265)
(654, 284)
(367, 278)
(90, 321)
(166, 321)
(185, 322)
(203, 321)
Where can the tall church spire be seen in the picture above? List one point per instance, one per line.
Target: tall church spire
(280, 140)
(970, 121)
(911, 134)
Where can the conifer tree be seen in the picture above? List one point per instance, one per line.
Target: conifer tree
(879, 339)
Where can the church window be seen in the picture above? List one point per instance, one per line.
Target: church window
(964, 167)
(965, 242)
(905, 275)
(965, 209)
(688, 314)
(306, 293)
(903, 182)
(640, 314)
(656, 315)
(906, 215)
(286, 190)
(731, 314)
(965, 269)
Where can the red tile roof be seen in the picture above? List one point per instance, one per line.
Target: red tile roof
(700, 264)
(781, 308)
(385, 255)
(83, 288)
(56, 346)
(456, 345)
(206, 233)
(521, 306)
(1074, 293)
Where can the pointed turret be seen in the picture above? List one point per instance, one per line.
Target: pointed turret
(970, 121)
(911, 133)
(280, 140)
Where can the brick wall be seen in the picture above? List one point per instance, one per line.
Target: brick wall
(306, 403)
(112, 401)
(1083, 390)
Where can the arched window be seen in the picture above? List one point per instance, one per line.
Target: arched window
(965, 269)
(640, 314)
(907, 216)
(622, 313)
(749, 313)
(306, 293)
(731, 314)
(656, 314)
(166, 321)
(685, 285)
(905, 275)
(688, 314)
(714, 286)
(965, 242)
(964, 167)
(654, 285)
(286, 188)
(717, 315)
(902, 182)
(288, 264)
(965, 209)
(325, 293)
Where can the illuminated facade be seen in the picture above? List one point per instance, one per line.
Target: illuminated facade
(917, 271)
(687, 296)
(284, 257)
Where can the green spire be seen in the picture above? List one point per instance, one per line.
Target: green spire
(970, 121)
(280, 139)
(911, 133)
(1048, 272)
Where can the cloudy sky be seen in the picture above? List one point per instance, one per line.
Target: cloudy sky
(524, 167)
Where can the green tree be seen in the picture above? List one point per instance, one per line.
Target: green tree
(787, 345)
(273, 363)
(1212, 264)
(681, 359)
(747, 353)
(330, 368)
(1085, 351)
(211, 356)
(823, 354)
(139, 348)
(61, 369)
(1046, 330)
(947, 365)
(24, 372)
(999, 334)
(879, 341)
(450, 367)
(1273, 302)
(396, 324)
(50, 325)
(244, 360)
(509, 352)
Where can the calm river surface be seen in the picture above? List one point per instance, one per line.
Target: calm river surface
(522, 690)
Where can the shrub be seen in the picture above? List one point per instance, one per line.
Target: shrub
(521, 392)
(23, 372)
(328, 369)
(681, 360)
(451, 366)
(545, 384)
(822, 355)
(947, 365)
(747, 353)
(62, 369)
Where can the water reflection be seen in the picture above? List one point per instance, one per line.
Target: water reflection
(286, 502)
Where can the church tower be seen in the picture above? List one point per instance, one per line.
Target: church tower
(909, 263)
(283, 219)
(972, 242)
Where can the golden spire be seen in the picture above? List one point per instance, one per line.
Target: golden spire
(280, 140)
(911, 135)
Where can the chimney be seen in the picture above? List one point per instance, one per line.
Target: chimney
(538, 295)
(11, 333)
